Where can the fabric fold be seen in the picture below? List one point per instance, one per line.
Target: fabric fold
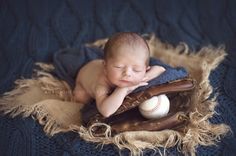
(49, 100)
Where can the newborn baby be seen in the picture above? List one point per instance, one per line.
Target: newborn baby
(125, 67)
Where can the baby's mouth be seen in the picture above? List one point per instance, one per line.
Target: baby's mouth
(126, 81)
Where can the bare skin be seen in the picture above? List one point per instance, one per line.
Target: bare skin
(110, 81)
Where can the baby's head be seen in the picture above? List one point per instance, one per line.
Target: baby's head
(126, 59)
(129, 40)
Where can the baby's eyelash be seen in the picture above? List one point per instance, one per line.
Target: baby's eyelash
(137, 71)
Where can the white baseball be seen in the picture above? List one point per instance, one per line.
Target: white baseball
(156, 107)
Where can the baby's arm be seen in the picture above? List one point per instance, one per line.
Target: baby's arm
(107, 105)
(153, 72)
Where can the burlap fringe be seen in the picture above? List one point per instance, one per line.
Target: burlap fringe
(37, 97)
(200, 131)
(134, 141)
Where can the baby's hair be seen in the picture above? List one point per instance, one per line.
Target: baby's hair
(124, 38)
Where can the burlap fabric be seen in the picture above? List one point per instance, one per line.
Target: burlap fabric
(50, 101)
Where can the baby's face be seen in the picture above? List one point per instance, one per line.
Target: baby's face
(126, 68)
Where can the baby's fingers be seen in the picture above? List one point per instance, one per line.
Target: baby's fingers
(145, 79)
(139, 85)
(142, 84)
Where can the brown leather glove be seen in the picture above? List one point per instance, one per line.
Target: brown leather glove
(126, 118)
(172, 120)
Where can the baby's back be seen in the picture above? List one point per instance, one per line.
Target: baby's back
(90, 76)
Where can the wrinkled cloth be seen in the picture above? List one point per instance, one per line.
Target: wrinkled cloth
(32, 31)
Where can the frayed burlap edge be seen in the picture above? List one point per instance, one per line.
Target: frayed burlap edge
(200, 131)
(50, 101)
(45, 98)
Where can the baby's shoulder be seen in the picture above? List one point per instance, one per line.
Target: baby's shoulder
(96, 62)
(92, 67)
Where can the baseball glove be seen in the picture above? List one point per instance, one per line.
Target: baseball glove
(128, 118)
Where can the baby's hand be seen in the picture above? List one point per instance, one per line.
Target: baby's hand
(145, 79)
(131, 88)
(153, 72)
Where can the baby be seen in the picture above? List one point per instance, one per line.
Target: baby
(124, 68)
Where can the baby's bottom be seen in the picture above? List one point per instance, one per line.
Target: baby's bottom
(80, 95)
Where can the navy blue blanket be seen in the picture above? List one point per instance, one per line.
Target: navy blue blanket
(32, 31)
(67, 63)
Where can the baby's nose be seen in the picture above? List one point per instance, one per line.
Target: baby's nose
(128, 72)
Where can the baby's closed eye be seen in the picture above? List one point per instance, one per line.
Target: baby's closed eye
(118, 66)
(137, 70)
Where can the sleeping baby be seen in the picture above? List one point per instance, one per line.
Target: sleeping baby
(124, 68)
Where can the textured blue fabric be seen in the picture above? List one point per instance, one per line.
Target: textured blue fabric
(230, 84)
(68, 62)
(32, 31)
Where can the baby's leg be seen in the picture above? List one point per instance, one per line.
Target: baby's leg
(80, 95)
